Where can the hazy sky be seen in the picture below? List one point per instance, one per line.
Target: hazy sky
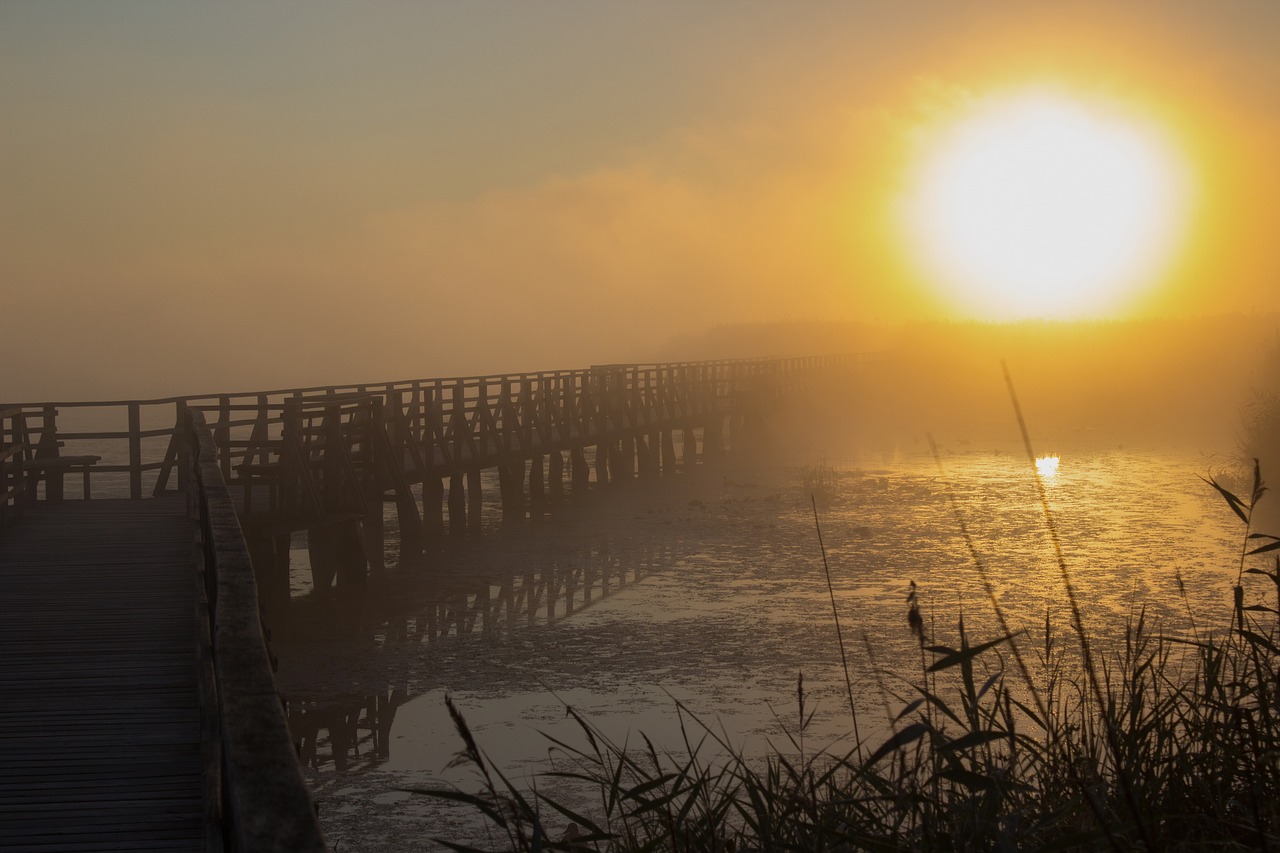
(207, 197)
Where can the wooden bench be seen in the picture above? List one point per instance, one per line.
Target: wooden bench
(54, 468)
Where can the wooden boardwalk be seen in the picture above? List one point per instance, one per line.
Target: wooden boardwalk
(99, 704)
(101, 675)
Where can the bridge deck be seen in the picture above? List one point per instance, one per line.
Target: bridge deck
(99, 707)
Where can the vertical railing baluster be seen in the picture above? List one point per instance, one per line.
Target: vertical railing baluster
(135, 451)
(222, 436)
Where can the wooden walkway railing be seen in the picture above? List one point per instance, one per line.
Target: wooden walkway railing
(128, 448)
(256, 798)
(325, 459)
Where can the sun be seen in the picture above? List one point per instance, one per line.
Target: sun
(1040, 204)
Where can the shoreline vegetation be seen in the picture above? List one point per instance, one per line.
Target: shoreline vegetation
(1028, 740)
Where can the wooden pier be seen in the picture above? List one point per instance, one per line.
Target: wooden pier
(138, 706)
(326, 459)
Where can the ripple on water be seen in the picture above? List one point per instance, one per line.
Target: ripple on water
(724, 602)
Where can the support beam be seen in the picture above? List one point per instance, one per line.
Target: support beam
(432, 509)
(269, 553)
(713, 439)
(668, 452)
(555, 474)
(643, 461)
(457, 505)
(337, 553)
(579, 475)
(689, 448)
(371, 535)
(602, 464)
(511, 488)
(537, 493)
(627, 457)
(475, 501)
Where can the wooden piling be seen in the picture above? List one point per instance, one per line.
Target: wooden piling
(511, 488)
(475, 501)
(627, 456)
(689, 448)
(372, 536)
(336, 553)
(602, 464)
(579, 475)
(457, 505)
(269, 554)
(537, 494)
(668, 452)
(555, 474)
(640, 447)
(713, 439)
(432, 509)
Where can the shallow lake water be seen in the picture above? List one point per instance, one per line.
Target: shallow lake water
(706, 592)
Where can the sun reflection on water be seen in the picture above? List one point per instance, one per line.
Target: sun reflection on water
(1047, 466)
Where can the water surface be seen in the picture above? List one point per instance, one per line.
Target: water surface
(709, 591)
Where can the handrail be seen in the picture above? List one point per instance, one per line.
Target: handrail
(256, 791)
(797, 362)
(140, 450)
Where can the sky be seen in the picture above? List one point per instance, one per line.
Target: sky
(229, 197)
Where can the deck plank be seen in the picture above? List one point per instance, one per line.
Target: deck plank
(99, 706)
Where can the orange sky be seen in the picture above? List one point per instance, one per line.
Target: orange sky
(207, 198)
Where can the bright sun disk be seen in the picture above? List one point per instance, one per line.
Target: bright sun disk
(1043, 205)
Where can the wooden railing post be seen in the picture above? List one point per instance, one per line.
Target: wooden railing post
(135, 451)
(458, 426)
(47, 448)
(527, 414)
(629, 413)
(183, 445)
(222, 436)
(506, 437)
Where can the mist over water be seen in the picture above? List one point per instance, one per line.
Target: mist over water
(725, 603)
(707, 589)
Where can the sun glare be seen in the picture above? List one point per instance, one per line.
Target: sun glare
(1042, 205)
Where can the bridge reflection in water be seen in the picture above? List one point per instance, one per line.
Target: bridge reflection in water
(503, 588)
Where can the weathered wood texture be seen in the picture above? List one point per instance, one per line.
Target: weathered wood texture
(99, 707)
(262, 799)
